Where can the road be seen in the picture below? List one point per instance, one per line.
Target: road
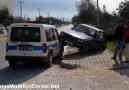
(91, 71)
(36, 73)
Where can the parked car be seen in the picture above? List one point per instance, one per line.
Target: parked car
(84, 37)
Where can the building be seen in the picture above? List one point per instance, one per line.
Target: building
(7, 3)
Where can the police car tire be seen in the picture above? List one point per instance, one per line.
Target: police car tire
(49, 60)
(12, 63)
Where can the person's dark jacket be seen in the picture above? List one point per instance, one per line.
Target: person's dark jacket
(119, 33)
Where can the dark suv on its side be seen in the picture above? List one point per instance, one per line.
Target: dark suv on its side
(84, 37)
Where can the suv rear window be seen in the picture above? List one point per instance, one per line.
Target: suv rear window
(25, 34)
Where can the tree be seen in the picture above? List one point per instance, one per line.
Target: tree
(75, 19)
(40, 18)
(123, 10)
(86, 11)
(5, 17)
(19, 20)
(106, 18)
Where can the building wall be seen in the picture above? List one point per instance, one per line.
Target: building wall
(7, 3)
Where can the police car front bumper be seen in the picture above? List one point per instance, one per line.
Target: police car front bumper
(26, 58)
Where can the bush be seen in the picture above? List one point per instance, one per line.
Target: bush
(109, 34)
(109, 31)
(1, 32)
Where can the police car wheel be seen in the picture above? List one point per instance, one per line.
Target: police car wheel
(49, 60)
(12, 63)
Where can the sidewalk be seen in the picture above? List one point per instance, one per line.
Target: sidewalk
(93, 60)
(108, 74)
(4, 34)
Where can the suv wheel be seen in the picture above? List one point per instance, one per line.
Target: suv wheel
(49, 60)
(12, 63)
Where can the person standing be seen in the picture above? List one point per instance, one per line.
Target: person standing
(126, 40)
(118, 36)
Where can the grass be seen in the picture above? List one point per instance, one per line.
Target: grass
(111, 46)
(1, 32)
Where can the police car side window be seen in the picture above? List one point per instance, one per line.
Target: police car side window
(48, 35)
(53, 34)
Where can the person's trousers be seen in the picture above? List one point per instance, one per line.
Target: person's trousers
(127, 52)
(118, 47)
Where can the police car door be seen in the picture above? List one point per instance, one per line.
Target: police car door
(51, 44)
(57, 42)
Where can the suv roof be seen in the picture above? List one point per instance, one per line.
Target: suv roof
(92, 27)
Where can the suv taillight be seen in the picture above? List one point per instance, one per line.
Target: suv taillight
(44, 48)
(6, 47)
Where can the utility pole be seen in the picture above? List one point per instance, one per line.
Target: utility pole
(57, 16)
(39, 11)
(48, 14)
(20, 2)
(97, 12)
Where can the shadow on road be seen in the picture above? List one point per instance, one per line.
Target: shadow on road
(21, 73)
(77, 55)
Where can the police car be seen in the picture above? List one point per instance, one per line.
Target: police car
(32, 41)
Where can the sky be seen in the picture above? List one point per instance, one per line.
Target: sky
(56, 8)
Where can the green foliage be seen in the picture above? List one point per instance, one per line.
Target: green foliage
(5, 18)
(86, 11)
(123, 10)
(109, 33)
(40, 18)
(19, 20)
(1, 32)
(111, 46)
(52, 19)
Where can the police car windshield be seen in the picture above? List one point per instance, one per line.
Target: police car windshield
(25, 34)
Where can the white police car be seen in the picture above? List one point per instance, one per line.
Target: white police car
(32, 42)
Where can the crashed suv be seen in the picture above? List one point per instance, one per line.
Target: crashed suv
(84, 37)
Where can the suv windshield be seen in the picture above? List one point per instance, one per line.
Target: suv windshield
(25, 34)
(85, 30)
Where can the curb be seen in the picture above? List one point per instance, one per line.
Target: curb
(109, 51)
